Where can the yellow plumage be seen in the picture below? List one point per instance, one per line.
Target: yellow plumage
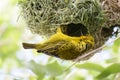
(63, 46)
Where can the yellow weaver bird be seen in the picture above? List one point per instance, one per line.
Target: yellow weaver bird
(63, 46)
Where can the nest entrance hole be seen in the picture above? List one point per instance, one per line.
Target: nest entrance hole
(74, 29)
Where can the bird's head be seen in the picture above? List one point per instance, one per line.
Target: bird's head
(112, 31)
(115, 30)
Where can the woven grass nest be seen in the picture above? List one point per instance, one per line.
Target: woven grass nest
(44, 16)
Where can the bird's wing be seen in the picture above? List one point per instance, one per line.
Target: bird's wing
(51, 48)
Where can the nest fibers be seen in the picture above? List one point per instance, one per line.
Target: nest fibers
(112, 11)
(43, 16)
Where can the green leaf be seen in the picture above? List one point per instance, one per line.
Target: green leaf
(77, 77)
(90, 66)
(112, 60)
(114, 68)
(9, 41)
(11, 32)
(116, 46)
(54, 68)
(38, 69)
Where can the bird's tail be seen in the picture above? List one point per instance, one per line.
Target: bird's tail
(29, 46)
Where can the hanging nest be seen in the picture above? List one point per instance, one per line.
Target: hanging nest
(44, 16)
(73, 16)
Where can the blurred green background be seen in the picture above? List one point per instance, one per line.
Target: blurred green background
(19, 64)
